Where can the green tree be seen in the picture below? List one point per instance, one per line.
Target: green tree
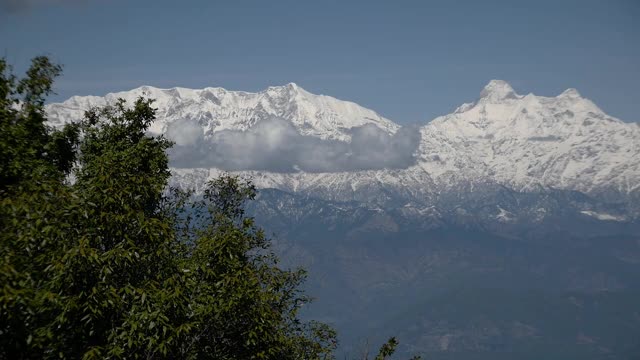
(110, 265)
(99, 259)
(28, 147)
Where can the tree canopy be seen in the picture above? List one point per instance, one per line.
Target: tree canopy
(99, 258)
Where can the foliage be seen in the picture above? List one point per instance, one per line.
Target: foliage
(99, 260)
(30, 149)
(109, 265)
(386, 351)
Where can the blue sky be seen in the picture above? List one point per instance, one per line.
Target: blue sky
(408, 60)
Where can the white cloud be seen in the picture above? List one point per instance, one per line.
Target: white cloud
(185, 133)
(275, 145)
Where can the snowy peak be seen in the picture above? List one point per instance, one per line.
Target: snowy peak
(290, 90)
(528, 141)
(570, 93)
(217, 109)
(497, 90)
(500, 108)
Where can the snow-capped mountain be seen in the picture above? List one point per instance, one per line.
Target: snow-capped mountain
(564, 142)
(217, 109)
(523, 142)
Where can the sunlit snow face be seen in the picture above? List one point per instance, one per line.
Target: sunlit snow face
(275, 145)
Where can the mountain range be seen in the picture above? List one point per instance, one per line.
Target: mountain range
(524, 143)
(509, 228)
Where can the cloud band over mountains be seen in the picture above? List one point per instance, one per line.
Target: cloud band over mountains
(276, 145)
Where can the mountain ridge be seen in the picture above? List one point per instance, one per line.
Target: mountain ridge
(521, 141)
